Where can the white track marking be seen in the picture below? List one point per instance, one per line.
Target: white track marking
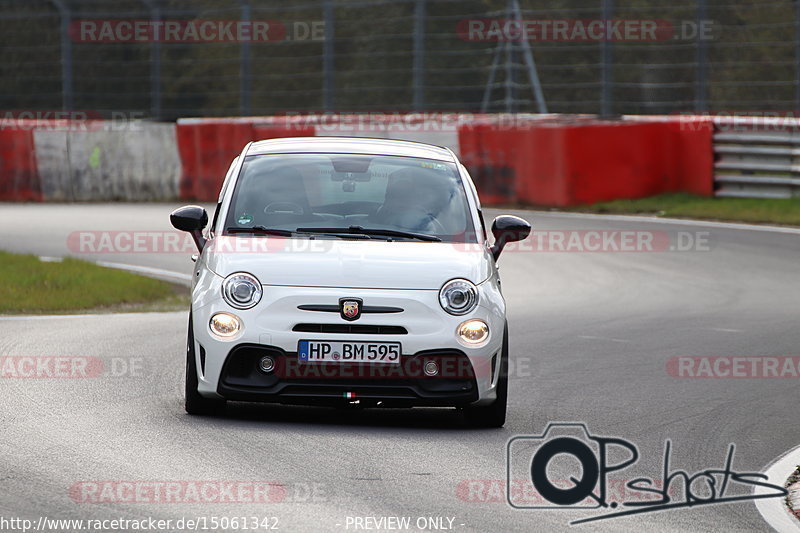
(6, 318)
(154, 272)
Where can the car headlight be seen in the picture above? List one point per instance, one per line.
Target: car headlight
(241, 290)
(458, 296)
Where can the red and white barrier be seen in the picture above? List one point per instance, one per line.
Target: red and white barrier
(19, 178)
(62, 160)
(556, 164)
(535, 159)
(207, 147)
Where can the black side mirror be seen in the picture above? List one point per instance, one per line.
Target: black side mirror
(506, 229)
(191, 218)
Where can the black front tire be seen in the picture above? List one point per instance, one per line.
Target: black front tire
(195, 403)
(494, 414)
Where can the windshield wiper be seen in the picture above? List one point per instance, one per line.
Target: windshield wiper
(359, 230)
(262, 230)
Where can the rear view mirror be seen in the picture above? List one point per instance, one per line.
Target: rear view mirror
(350, 176)
(191, 218)
(506, 229)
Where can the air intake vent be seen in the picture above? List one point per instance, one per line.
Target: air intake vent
(359, 329)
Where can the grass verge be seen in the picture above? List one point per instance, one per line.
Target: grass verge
(29, 285)
(756, 210)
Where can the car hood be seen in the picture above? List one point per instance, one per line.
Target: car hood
(348, 263)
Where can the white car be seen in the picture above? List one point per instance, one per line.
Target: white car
(348, 271)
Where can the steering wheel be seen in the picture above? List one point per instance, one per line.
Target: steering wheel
(421, 213)
(438, 227)
(284, 207)
(429, 218)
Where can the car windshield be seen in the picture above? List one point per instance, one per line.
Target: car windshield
(384, 197)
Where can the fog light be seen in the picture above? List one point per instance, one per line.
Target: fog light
(266, 364)
(473, 331)
(431, 368)
(225, 324)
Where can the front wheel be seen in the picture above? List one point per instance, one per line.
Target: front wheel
(493, 415)
(195, 403)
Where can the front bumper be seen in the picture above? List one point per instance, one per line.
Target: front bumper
(294, 382)
(229, 368)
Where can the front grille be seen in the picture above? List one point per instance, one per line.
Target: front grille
(358, 329)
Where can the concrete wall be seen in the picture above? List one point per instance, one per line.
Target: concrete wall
(95, 161)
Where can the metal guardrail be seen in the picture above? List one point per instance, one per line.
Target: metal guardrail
(757, 164)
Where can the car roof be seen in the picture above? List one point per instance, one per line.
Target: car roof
(350, 145)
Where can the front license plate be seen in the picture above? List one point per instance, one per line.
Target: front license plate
(349, 352)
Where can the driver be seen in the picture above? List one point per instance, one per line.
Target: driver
(415, 197)
(277, 197)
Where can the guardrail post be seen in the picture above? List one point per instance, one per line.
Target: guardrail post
(419, 55)
(530, 64)
(607, 65)
(66, 55)
(245, 79)
(701, 83)
(155, 59)
(327, 57)
(796, 56)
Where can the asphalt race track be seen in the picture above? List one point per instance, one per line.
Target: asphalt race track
(591, 336)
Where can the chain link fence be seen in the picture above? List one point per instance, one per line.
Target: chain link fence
(245, 57)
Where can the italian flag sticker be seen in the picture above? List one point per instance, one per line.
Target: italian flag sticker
(349, 395)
